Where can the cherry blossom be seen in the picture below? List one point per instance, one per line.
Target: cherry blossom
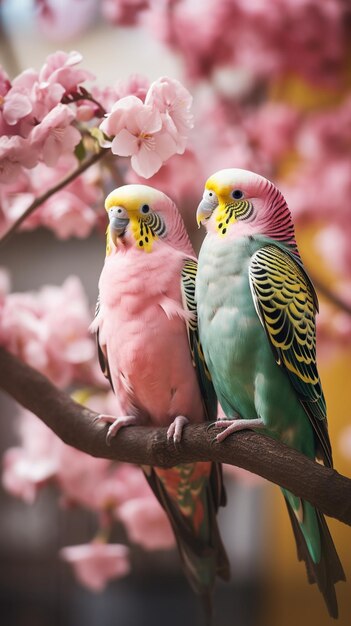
(174, 103)
(96, 563)
(49, 330)
(114, 491)
(60, 68)
(271, 38)
(151, 132)
(62, 19)
(123, 12)
(68, 213)
(28, 467)
(136, 130)
(15, 153)
(5, 83)
(146, 523)
(55, 135)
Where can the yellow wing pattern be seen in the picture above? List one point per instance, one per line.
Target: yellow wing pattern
(286, 304)
(188, 280)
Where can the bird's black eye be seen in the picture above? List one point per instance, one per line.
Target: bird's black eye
(237, 194)
(145, 208)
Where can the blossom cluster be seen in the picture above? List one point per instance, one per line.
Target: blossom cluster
(115, 492)
(48, 119)
(71, 212)
(49, 331)
(35, 125)
(321, 183)
(36, 119)
(269, 38)
(153, 130)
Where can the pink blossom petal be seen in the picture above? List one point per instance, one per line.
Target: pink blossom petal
(146, 162)
(96, 563)
(22, 476)
(16, 106)
(124, 144)
(60, 20)
(148, 119)
(79, 351)
(147, 523)
(174, 101)
(121, 116)
(166, 146)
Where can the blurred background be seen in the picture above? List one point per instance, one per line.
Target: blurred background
(271, 85)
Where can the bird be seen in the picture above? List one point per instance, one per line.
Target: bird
(148, 348)
(256, 308)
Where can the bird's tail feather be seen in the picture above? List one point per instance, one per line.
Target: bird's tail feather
(187, 494)
(328, 570)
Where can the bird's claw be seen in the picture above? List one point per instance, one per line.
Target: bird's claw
(211, 426)
(116, 424)
(235, 425)
(175, 430)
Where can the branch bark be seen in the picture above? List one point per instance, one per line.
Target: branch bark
(325, 488)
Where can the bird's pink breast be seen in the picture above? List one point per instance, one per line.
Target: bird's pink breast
(146, 341)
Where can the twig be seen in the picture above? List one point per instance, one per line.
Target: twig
(331, 295)
(323, 487)
(93, 158)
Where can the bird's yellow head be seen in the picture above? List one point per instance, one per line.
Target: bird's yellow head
(135, 217)
(227, 199)
(143, 218)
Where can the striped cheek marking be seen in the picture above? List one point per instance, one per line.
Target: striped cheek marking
(227, 214)
(147, 229)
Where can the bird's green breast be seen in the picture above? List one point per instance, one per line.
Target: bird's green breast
(227, 319)
(246, 377)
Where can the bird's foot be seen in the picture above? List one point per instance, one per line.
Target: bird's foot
(175, 430)
(224, 421)
(234, 425)
(116, 424)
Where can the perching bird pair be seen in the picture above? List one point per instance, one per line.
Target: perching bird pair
(240, 325)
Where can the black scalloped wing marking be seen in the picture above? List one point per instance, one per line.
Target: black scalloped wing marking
(188, 279)
(286, 304)
(102, 353)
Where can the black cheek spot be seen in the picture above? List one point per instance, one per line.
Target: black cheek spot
(147, 239)
(227, 220)
(220, 225)
(141, 243)
(224, 231)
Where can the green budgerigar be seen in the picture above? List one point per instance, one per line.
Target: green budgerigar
(256, 313)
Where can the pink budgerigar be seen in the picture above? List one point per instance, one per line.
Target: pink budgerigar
(148, 345)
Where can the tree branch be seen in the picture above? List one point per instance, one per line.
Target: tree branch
(93, 158)
(328, 293)
(323, 487)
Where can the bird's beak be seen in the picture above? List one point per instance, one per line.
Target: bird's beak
(118, 221)
(204, 211)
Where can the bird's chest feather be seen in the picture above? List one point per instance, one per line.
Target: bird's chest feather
(230, 330)
(225, 306)
(143, 329)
